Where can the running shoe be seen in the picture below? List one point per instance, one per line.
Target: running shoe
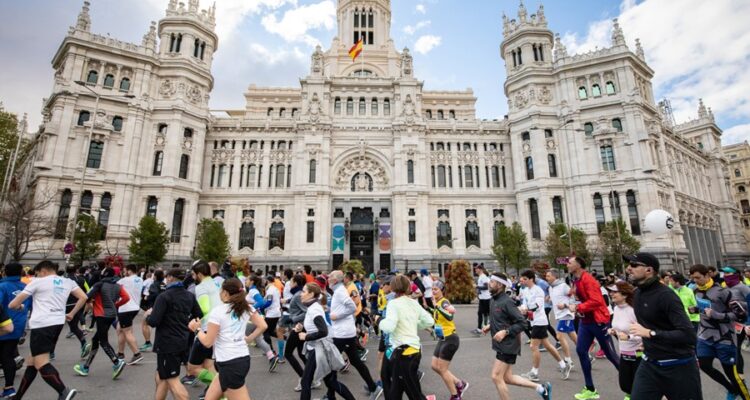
(69, 335)
(600, 354)
(67, 394)
(19, 362)
(273, 363)
(146, 347)
(534, 377)
(430, 397)
(137, 357)
(298, 388)
(565, 371)
(542, 349)
(586, 394)
(189, 380)
(731, 396)
(461, 388)
(81, 370)
(476, 331)
(8, 393)
(85, 350)
(121, 356)
(421, 375)
(455, 397)
(547, 395)
(316, 384)
(117, 369)
(375, 395)
(282, 360)
(363, 355)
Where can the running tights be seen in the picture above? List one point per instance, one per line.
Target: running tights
(101, 338)
(294, 344)
(587, 332)
(732, 382)
(8, 351)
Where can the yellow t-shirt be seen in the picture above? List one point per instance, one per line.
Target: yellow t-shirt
(352, 289)
(382, 301)
(443, 316)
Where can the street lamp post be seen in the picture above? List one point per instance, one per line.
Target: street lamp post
(87, 147)
(671, 235)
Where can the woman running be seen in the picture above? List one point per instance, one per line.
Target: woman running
(255, 299)
(631, 347)
(226, 334)
(448, 343)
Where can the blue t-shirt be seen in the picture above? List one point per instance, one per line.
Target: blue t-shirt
(374, 289)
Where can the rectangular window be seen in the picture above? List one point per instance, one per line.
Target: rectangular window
(310, 231)
(412, 231)
(557, 211)
(608, 157)
(95, 155)
(536, 232)
(635, 222)
(179, 208)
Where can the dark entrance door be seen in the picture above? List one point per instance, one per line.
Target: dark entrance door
(361, 237)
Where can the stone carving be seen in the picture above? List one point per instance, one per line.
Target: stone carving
(408, 111)
(314, 108)
(545, 95)
(639, 49)
(363, 168)
(317, 61)
(167, 89)
(149, 39)
(187, 145)
(194, 95)
(101, 121)
(362, 182)
(222, 155)
(83, 22)
(520, 99)
(407, 69)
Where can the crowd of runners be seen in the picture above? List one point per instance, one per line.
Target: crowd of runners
(657, 328)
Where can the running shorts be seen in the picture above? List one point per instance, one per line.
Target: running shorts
(446, 348)
(232, 373)
(199, 353)
(168, 365)
(43, 340)
(566, 326)
(539, 332)
(726, 353)
(509, 359)
(126, 319)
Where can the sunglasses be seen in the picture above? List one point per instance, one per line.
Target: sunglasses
(636, 265)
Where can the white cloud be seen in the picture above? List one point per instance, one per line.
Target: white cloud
(421, 9)
(411, 29)
(692, 54)
(262, 54)
(736, 134)
(426, 43)
(296, 23)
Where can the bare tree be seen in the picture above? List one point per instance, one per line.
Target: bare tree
(26, 218)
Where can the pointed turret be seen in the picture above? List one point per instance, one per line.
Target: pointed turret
(540, 18)
(522, 13)
(149, 39)
(618, 38)
(702, 112)
(560, 50)
(639, 50)
(83, 23)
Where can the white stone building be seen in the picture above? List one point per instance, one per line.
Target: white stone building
(361, 162)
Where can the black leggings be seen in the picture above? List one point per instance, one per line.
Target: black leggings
(628, 367)
(270, 331)
(550, 329)
(405, 376)
(101, 338)
(740, 359)
(483, 313)
(333, 385)
(730, 379)
(75, 326)
(293, 343)
(8, 352)
(350, 347)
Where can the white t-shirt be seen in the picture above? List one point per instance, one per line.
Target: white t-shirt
(134, 286)
(230, 343)
(49, 296)
(485, 293)
(560, 294)
(315, 310)
(534, 297)
(274, 310)
(210, 289)
(146, 285)
(287, 295)
(427, 282)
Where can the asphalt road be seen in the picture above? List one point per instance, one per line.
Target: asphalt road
(473, 362)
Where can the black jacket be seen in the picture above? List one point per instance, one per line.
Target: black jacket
(658, 308)
(172, 311)
(505, 315)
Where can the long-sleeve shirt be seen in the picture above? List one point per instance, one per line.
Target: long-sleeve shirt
(593, 307)
(658, 308)
(297, 310)
(559, 293)
(505, 315)
(172, 311)
(404, 320)
(108, 297)
(687, 297)
(719, 327)
(624, 316)
(343, 308)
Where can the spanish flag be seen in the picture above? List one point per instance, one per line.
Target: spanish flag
(356, 49)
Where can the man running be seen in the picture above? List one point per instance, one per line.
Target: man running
(594, 323)
(484, 296)
(9, 287)
(48, 292)
(559, 293)
(533, 303)
(133, 285)
(344, 335)
(506, 324)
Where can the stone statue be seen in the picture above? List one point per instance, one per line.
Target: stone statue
(407, 69)
(317, 62)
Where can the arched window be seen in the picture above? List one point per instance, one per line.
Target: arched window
(608, 157)
(151, 206)
(269, 112)
(518, 53)
(536, 232)
(529, 168)
(356, 18)
(635, 221)
(313, 171)
(253, 145)
(280, 174)
(444, 234)
(86, 201)
(440, 114)
(109, 81)
(552, 165)
(588, 128)
(610, 87)
(117, 123)
(548, 133)
(337, 106)
(247, 235)
(440, 146)
(614, 206)
(95, 154)
(196, 48)
(92, 78)
(158, 162)
(289, 175)
(428, 114)
(172, 42)
(282, 112)
(387, 107)
(222, 180)
(410, 171)
(374, 107)
(513, 54)
(582, 93)
(599, 212)
(252, 172)
(432, 175)
(349, 106)
(467, 146)
(124, 85)
(452, 114)
(276, 236)
(737, 173)
(557, 212)
(281, 145)
(741, 189)
(179, 210)
(83, 116)
(62, 215)
(596, 90)
(106, 204)
(203, 50)
(536, 56)
(362, 106)
(178, 45)
(472, 234)
(495, 176)
(617, 124)
(295, 111)
(184, 165)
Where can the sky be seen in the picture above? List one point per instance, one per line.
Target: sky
(698, 48)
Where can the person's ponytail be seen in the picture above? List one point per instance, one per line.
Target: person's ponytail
(236, 299)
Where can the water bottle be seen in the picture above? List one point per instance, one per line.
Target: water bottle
(439, 332)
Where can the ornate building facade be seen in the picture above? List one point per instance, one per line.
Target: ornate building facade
(361, 162)
(738, 172)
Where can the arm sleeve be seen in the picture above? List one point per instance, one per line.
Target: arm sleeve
(349, 307)
(204, 301)
(322, 332)
(4, 319)
(425, 319)
(196, 311)
(388, 324)
(683, 332)
(594, 297)
(124, 298)
(729, 316)
(260, 303)
(446, 310)
(157, 312)
(518, 321)
(94, 290)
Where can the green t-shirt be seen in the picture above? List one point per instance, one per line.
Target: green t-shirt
(688, 300)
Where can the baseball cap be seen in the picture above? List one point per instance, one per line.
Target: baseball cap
(612, 288)
(647, 259)
(729, 270)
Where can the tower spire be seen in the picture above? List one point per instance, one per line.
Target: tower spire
(522, 13)
(83, 23)
(618, 38)
(149, 39)
(639, 49)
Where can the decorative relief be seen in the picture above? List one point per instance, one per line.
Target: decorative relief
(468, 156)
(551, 145)
(440, 157)
(194, 95)
(249, 156)
(280, 156)
(364, 168)
(187, 145)
(523, 98)
(222, 155)
(494, 158)
(167, 89)
(314, 108)
(159, 140)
